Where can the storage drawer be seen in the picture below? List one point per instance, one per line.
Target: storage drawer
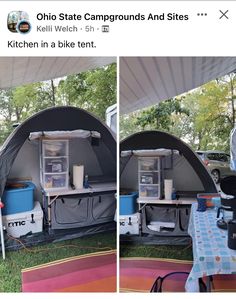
(148, 164)
(68, 212)
(54, 165)
(54, 181)
(149, 191)
(160, 213)
(149, 178)
(55, 148)
(104, 207)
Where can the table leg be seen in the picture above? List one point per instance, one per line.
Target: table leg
(49, 211)
(140, 219)
(2, 236)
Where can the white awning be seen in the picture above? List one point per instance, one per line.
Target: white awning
(145, 81)
(15, 71)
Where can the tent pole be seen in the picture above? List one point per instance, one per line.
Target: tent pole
(2, 232)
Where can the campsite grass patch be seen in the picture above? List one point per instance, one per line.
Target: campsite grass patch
(10, 269)
(157, 251)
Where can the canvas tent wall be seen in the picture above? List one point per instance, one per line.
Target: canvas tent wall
(189, 174)
(19, 157)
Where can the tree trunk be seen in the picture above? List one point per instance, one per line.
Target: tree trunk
(199, 141)
(18, 114)
(53, 93)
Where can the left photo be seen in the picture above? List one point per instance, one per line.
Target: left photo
(58, 174)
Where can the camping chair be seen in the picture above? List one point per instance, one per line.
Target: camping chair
(2, 232)
(174, 282)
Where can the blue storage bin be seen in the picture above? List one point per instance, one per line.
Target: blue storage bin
(128, 204)
(18, 198)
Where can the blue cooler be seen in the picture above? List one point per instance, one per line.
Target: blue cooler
(128, 204)
(18, 197)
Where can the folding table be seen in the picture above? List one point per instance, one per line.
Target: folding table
(210, 251)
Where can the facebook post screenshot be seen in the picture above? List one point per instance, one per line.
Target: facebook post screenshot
(117, 148)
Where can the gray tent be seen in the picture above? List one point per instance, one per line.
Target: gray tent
(19, 158)
(194, 179)
(189, 175)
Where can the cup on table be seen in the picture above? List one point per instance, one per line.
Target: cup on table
(202, 206)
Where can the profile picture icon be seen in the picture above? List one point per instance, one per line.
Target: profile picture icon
(18, 21)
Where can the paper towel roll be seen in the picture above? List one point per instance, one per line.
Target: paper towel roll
(78, 176)
(168, 186)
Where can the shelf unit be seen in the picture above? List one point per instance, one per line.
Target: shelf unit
(150, 177)
(54, 164)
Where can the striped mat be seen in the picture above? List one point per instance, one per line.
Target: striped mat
(138, 274)
(94, 272)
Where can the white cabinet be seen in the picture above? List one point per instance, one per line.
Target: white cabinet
(54, 166)
(150, 178)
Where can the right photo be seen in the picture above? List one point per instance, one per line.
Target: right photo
(177, 200)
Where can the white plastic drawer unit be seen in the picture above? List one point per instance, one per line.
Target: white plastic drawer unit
(54, 168)
(150, 177)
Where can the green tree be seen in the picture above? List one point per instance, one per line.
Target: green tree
(93, 90)
(210, 121)
(72, 89)
(203, 117)
(160, 117)
(128, 125)
(23, 100)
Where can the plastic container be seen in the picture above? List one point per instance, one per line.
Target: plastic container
(149, 191)
(128, 204)
(210, 198)
(55, 148)
(54, 181)
(173, 195)
(148, 164)
(53, 165)
(20, 224)
(149, 178)
(18, 197)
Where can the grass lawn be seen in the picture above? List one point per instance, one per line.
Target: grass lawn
(160, 251)
(10, 269)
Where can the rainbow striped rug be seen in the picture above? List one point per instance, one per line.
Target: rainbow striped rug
(94, 272)
(138, 274)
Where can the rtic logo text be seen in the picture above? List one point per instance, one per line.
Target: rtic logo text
(16, 223)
